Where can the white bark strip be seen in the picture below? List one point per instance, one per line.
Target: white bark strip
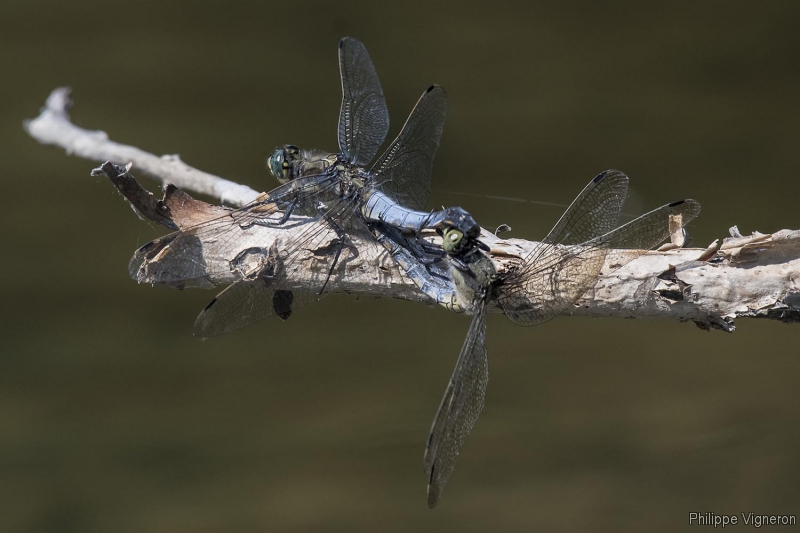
(53, 126)
(755, 276)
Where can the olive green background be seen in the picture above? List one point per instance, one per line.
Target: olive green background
(114, 418)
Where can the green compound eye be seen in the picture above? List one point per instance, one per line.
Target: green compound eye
(278, 165)
(451, 240)
(281, 161)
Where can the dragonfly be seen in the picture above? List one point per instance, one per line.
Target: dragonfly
(544, 284)
(323, 199)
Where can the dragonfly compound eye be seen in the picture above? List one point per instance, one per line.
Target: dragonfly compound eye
(278, 165)
(452, 240)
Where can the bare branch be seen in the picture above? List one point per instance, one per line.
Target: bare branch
(755, 276)
(53, 126)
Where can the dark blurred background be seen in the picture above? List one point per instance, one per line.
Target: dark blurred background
(114, 418)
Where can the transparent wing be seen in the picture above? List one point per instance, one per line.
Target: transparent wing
(282, 284)
(247, 301)
(222, 250)
(462, 403)
(363, 117)
(560, 274)
(594, 212)
(404, 170)
(275, 261)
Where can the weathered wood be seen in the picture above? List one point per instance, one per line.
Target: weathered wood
(753, 276)
(53, 126)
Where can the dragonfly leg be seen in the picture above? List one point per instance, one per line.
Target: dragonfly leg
(341, 241)
(431, 249)
(286, 214)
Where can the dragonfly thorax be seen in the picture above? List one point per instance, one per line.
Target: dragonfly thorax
(352, 183)
(472, 270)
(290, 162)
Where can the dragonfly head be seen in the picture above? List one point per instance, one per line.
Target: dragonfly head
(459, 231)
(280, 162)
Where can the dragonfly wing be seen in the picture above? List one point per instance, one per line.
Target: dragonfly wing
(561, 274)
(594, 212)
(553, 275)
(363, 117)
(649, 230)
(210, 253)
(291, 274)
(462, 403)
(247, 301)
(404, 170)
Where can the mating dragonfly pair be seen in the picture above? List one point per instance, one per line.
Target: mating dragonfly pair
(326, 200)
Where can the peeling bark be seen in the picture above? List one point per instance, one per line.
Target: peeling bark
(747, 276)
